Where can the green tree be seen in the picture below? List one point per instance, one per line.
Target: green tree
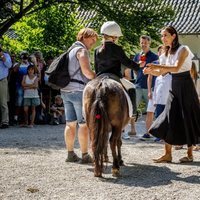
(47, 31)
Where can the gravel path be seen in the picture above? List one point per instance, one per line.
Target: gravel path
(33, 167)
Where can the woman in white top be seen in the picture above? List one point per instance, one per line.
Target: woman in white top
(179, 122)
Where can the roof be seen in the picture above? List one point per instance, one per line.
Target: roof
(186, 21)
(187, 18)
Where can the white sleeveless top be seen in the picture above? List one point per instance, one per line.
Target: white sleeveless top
(75, 70)
(162, 59)
(171, 60)
(30, 93)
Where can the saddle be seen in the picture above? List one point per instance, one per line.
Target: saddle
(111, 76)
(125, 86)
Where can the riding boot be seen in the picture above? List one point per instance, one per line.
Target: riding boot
(132, 95)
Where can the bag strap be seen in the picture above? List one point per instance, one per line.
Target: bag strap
(75, 80)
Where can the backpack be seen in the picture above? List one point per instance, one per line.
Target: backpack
(58, 72)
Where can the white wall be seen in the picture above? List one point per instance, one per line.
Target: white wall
(193, 41)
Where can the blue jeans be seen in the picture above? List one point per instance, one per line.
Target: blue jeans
(73, 106)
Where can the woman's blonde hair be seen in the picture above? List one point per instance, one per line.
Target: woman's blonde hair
(86, 33)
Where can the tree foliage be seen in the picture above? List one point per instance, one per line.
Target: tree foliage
(47, 31)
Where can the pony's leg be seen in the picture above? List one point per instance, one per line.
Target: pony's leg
(113, 145)
(105, 154)
(119, 144)
(97, 165)
(97, 168)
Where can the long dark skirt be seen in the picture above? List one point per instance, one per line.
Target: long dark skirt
(180, 121)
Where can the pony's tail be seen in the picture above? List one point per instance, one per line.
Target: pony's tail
(100, 126)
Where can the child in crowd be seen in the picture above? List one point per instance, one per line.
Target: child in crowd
(31, 97)
(161, 88)
(21, 70)
(57, 110)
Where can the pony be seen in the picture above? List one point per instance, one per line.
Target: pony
(106, 111)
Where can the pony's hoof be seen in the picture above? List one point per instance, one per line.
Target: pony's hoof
(115, 172)
(121, 163)
(98, 175)
(106, 159)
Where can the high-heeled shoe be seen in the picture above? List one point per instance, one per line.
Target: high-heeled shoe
(164, 159)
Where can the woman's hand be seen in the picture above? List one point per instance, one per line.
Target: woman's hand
(152, 65)
(142, 64)
(147, 70)
(155, 71)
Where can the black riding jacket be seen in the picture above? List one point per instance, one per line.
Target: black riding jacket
(110, 57)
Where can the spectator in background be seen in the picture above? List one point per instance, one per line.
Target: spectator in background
(21, 69)
(31, 97)
(145, 83)
(58, 112)
(12, 78)
(40, 64)
(5, 64)
(47, 92)
(33, 60)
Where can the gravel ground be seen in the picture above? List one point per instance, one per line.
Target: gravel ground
(33, 167)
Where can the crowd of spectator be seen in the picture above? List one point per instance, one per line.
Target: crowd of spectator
(28, 97)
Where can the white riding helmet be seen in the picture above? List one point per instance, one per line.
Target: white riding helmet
(111, 28)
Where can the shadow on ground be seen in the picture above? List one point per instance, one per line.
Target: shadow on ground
(146, 176)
